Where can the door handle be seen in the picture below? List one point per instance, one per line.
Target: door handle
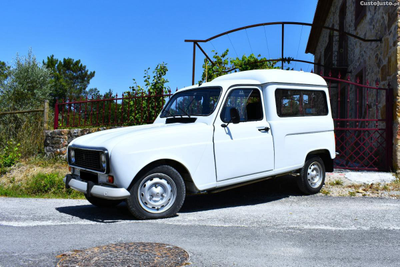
(266, 128)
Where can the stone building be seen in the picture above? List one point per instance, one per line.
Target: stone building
(360, 40)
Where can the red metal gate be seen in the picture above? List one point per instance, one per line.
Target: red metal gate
(363, 117)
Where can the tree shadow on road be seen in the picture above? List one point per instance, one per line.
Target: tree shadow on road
(257, 193)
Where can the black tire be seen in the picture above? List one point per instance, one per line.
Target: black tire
(102, 203)
(159, 193)
(312, 176)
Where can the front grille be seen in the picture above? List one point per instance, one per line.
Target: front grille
(88, 159)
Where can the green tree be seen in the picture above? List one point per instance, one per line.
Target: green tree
(92, 93)
(222, 64)
(4, 70)
(147, 108)
(26, 87)
(27, 84)
(155, 84)
(253, 63)
(70, 78)
(220, 67)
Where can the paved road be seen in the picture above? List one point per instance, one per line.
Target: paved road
(250, 226)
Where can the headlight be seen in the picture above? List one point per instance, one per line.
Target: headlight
(103, 161)
(72, 155)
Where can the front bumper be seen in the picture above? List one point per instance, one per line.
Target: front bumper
(99, 191)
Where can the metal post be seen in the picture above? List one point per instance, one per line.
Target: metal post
(283, 40)
(194, 61)
(56, 116)
(389, 127)
(46, 115)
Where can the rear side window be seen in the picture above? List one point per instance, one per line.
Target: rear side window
(294, 103)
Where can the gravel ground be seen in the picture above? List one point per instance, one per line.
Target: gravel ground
(337, 184)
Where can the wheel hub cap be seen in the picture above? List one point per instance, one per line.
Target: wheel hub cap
(156, 194)
(314, 175)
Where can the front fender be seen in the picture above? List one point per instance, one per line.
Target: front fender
(193, 149)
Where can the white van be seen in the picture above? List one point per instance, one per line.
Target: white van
(237, 129)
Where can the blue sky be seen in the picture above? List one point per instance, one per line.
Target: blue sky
(120, 39)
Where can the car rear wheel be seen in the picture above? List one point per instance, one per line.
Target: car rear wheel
(159, 193)
(312, 176)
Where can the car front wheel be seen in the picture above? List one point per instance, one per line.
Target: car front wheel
(159, 193)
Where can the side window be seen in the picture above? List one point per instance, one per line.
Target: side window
(247, 102)
(293, 103)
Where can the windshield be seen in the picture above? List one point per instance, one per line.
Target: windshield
(196, 102)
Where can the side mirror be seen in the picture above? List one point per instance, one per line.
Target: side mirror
(235, 118)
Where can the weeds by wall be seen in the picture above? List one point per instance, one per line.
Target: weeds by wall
(23, 129)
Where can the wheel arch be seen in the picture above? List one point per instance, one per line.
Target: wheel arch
(325, 156)
(179, 167)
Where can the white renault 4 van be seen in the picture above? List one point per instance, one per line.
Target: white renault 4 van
(239, 128)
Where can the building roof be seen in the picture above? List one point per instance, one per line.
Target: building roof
(321, 13)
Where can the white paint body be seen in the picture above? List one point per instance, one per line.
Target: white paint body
(215, 156)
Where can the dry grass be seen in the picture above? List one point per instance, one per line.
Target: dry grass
(342, 187)
(37, 177)
(25, 169)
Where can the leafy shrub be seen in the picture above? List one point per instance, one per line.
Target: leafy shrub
(45, 183)
(10, 155)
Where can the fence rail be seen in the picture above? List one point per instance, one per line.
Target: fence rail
(129, 109)
(45, 111)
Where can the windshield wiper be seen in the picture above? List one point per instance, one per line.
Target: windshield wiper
(184, 111)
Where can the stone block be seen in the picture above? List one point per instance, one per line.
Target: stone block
(383, 73)
(392, 17)
(56, 141)
(385, 47)
(397, 107)
(61, 151)
(396, 160)
(49, 149)
(398, 57)
(392, 62)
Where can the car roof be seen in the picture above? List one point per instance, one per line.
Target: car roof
(274, 76)
(258, 77)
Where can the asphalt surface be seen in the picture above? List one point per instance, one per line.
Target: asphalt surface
(266, 224)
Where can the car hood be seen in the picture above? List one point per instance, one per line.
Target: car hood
(144, 133)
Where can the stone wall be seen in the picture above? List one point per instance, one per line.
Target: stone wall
(396, 148)
(378, 61)
(56, 141)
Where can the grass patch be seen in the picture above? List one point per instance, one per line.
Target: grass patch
(336, 182)
(37, 177)
(325, 192)
(41, 185)
(352, 193)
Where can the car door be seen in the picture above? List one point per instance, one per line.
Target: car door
(243, 148)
